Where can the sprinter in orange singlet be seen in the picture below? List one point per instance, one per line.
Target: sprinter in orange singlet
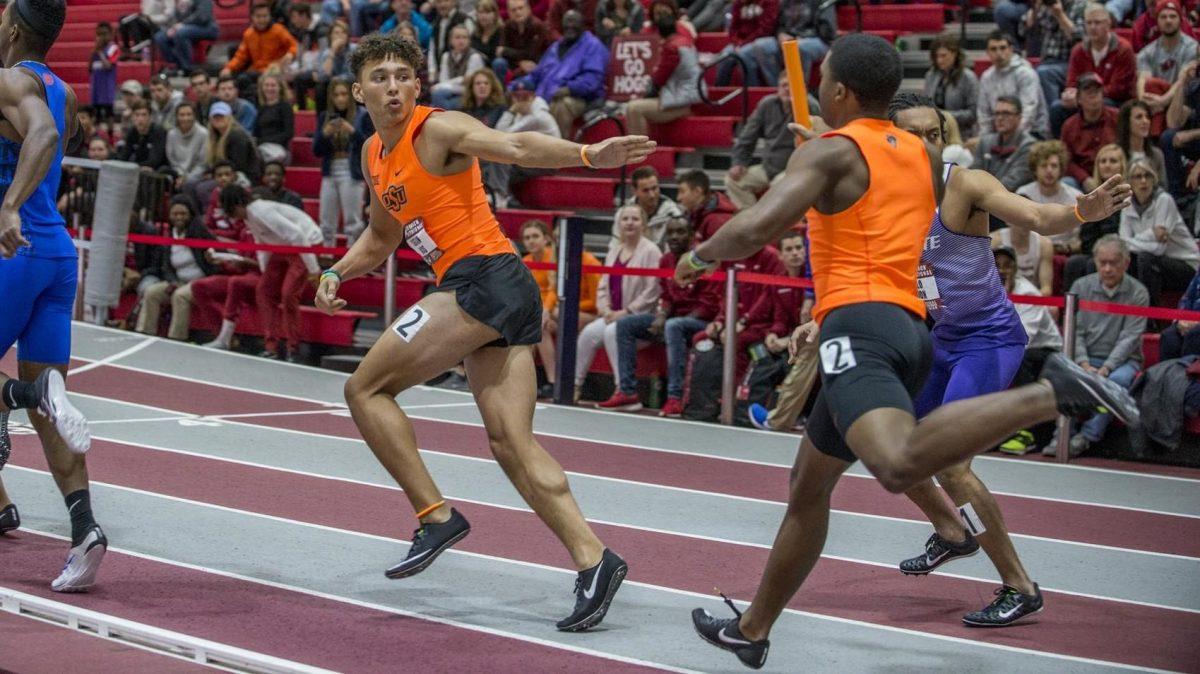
(870, 191)
(486, 311)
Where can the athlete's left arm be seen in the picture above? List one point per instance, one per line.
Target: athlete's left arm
(989, 194)
(24, 107)
(464, 134)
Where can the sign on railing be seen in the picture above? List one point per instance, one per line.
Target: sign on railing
(633, 60)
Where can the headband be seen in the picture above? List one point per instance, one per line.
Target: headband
(44, 26)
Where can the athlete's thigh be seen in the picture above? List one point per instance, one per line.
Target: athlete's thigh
(432, 336)
(47, 334)
(504, 382)
(982, 371)
(17, 295)
(934, 391)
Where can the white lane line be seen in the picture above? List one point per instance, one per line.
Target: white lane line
(672, 532)
(640, 484)
(370, 605)
(626, 417)
(113, 358)
(542, 567)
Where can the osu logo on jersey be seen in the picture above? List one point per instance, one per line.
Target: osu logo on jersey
(395, 198)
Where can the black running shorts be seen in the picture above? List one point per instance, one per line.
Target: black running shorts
(498, 291)
(873, 355)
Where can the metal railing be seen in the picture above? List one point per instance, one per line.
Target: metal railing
(742, 90)
(598, 119)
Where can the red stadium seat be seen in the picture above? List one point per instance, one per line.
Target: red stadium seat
(305, 180)
(306, 123)
(302, 154)
(696, 131)
(918, 18)
(552, 192)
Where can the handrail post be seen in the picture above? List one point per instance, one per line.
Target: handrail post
(729, 359)
(1062, 453)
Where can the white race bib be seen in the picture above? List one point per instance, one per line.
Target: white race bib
(836, 356)
(927, 289)
(419, 240)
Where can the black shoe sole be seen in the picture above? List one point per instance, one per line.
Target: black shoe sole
(726, 647)
(430, 559)
(1007, 624)
(945, 560)
(598, 615)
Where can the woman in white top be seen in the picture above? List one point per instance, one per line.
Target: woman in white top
(620, 296)
(457, 61)
(172, 273)
(1133, 135)
(1035, 255)
(1165, 256)
(1048, 160)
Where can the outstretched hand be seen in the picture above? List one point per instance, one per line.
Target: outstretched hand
(620, 151)
(1112, 196)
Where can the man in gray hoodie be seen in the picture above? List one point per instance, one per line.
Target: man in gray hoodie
(1011, 75)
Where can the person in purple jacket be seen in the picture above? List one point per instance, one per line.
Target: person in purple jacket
(570, 76)
(103, 66)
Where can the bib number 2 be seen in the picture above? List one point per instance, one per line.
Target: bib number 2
(836, 356)
(410, 323)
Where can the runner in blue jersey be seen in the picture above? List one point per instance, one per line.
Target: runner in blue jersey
(37, 272)
(978, 344)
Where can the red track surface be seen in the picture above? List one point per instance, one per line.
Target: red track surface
(33, 647)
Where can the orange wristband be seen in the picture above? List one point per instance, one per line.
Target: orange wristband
(430, 509)
(1078, 216)
(583, 156)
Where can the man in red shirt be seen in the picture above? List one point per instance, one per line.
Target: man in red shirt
(1093, 127)
(523, 41)
(707, 209)
(752, 28)
(1103, 53)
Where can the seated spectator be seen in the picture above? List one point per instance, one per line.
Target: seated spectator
(679, 308)
(1048, 159)
(1010, 19)
(136, 30)
(333, 62)
(570, 76)
(341, 131)
(486, 101)
(558, 12)
(752, 39)
(1133, 135)
(272, 188)
(1011, 75)
(755, 309)
(792, 307)
(88, 127)
(448, 16)
(673, 89)
(242, 110)
(708, 16)
(1181, 338)
(201, 93)
(187, 145)
(275, 124)
(768, 124)
(1044, 340)
(74, 199)
(707, 209)
(1165, 255)
(1103, 53)
(619, 17)
(523, 43)
(527, 113)
(163, 101)
(174, 270)
(402, 11)
(951, 83)
(1160, 62)
(1057, 27)
(132, 92)
(1108, 344)
(308, 34)
(229, 141)
(189, 23)
(620, 296)
(488, 32)
(216, 220)
(1094, 126)
(283, 276)
(1145, 28)
(539, 245)
(1035, 255)
(1181, 141)
(103, 76)
(659, 208)
(264, 45)
(457, 61)
(1004, 151)
(1110, 161)
(145, 143)
(813, 25)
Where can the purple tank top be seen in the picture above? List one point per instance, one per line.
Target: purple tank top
(963, 292)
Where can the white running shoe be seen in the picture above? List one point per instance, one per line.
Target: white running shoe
(83, 561)
(72, 426)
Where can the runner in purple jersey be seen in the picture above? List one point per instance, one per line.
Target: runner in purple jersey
(978, 345)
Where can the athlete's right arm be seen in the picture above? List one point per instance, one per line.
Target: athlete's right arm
(381, 238)
(988, 194)
(24, 108)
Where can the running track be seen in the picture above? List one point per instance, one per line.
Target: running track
(246, 511)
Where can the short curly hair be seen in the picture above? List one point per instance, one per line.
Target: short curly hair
(1046, 149)
(379, 47)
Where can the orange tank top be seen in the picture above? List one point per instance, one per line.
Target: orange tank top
(870, 251)
(445, 218)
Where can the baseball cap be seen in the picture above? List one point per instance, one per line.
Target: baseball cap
(1167, 4)
(520, 89)
(1089, 80)
(219, 109)
(1005, 250)
(131, 87)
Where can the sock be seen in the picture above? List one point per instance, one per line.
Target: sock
(79, 506)
(226, 335)
(19, 395)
